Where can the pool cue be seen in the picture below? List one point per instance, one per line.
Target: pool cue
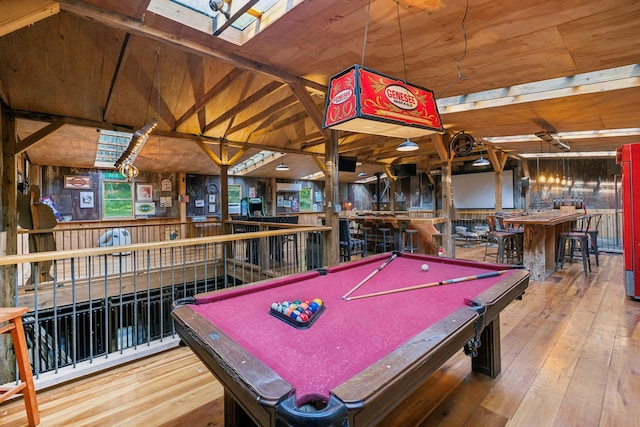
(430, 285)
(373, 273)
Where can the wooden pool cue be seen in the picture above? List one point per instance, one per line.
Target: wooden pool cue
(430, 285)
(373, 273)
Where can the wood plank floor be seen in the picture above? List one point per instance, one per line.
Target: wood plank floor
(570, 357)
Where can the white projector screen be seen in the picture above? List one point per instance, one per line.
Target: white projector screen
(478, 190)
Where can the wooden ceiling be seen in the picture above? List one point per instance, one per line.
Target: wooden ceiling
(112, 64)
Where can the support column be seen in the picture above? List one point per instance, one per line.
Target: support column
(8, 232)
(331, 191)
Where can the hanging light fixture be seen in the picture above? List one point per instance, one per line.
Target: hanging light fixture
(541, 177)
(407, 145)
(362, 100)
(282, 167)
(481, 162)
(124, 164)
(128, 170)
(362, 174)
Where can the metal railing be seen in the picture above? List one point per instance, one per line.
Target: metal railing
(91, 303)
(609, 228)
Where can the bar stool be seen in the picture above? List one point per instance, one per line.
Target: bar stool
(592, 231)
(366, 231)
(518, 243)
(506, 243)
(13, 319)
(410, 247)
(572, 238)
(385, 243)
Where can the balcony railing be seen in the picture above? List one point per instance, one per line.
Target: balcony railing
(91, 303)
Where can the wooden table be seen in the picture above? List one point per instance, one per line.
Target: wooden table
(541, 231)
(399, 223)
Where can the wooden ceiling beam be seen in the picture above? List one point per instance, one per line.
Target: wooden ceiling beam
(278, 106)
(49, 118)
(312, 109)
(117, 21)
(117, 75)
(304, 139)
(244, 104)
(32, 139)
(209, 152)
(321, 164)
(210, 95)
(17, 14)
(4, 95)
(290, 119)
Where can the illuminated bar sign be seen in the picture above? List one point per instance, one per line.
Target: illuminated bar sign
(364, 101)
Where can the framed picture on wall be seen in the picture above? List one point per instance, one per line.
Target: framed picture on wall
(145, 208)
(86, 200)
(165, 185)
(144, 192)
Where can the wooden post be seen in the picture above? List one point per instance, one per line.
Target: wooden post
(441, 144)
(331, 192)
(448, 211)
(8, 229)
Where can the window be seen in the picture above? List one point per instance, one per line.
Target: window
(117, 199)
(236, 21)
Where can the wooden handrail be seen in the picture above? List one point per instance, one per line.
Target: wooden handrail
(223, 238)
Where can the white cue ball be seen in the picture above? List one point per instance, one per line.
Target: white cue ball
(425, 267)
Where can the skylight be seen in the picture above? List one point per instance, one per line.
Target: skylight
(254, 162)
(236, 21)
(111, 145)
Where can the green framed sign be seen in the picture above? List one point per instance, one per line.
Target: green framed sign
(235, 193)
(305, 199)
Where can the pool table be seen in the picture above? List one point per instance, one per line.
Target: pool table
(360, 357)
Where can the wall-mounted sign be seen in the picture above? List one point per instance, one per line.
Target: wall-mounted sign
(286, 186)
(77, 182)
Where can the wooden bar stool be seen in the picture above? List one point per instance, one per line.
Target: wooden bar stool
(11, 319)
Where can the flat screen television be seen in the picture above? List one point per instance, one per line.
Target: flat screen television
(408, 169)
(347, 164)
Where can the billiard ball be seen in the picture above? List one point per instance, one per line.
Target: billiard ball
(425, 267)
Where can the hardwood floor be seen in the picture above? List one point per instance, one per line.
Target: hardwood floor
(570, 357)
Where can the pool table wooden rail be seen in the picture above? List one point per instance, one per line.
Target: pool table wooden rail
(239, 371)
(251, 387)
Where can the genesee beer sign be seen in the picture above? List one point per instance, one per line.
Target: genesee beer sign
(362, 100)
(77, 182)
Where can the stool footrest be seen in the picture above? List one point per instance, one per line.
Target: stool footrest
(7, 392)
